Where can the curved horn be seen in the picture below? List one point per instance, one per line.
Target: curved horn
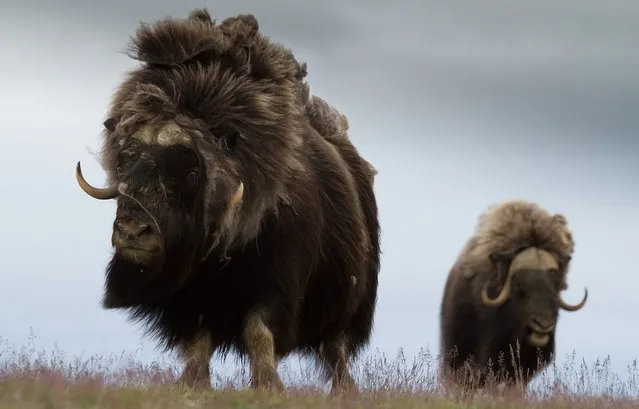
(97, 193)
(577, 307)
(501, 297)
(237, 196)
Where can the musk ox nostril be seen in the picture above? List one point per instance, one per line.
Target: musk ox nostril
(544, 323)
(132, 229)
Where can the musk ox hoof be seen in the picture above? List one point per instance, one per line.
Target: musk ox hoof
(268, 382)
(200, 383)
(192, 379)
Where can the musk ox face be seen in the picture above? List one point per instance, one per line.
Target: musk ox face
(160, 204)
(158, 233)
(530, 296)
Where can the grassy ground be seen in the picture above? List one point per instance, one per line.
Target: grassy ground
(47, 380)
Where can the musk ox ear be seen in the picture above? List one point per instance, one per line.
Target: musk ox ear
(111, 123)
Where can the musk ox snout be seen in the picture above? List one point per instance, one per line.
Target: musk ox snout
(540, 329)
(135, 240)
(543, 323)
(542, 319)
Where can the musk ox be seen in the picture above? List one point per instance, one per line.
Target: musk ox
(502, 296)
(246, 219)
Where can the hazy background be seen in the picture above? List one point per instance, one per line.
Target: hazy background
(459, 105)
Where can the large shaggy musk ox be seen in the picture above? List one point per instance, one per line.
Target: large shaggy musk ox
(246, 220)
(502, 297)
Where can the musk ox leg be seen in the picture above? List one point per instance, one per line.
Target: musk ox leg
(260, 346)
(336, 357)
(196, 356)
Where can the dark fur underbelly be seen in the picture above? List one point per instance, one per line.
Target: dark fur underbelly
(219, 302)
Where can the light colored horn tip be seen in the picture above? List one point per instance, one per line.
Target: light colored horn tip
(238, 195)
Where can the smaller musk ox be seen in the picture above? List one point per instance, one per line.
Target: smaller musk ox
(246, 220)
(502, 296)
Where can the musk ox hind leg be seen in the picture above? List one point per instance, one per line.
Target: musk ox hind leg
(260, 345)
(196, 356)
(335, 356)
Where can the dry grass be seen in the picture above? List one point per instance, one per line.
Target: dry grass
(47, 380)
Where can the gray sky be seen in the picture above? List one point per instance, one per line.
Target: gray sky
(459, 105)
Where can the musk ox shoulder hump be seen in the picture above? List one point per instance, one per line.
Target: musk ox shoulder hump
(173, 41)
(511, 226)
(177, 41)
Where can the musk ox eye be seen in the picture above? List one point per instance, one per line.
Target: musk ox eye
(192, 177)
(128, 157)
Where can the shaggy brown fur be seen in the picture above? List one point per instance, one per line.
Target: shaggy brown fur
(330, 123)
(516, 239)
(326, 119)
(246, 219)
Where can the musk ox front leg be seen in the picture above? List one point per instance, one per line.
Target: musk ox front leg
(336, 357)
(260, 345)
(196, 356)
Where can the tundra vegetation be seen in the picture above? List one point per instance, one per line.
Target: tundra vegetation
(33, 377)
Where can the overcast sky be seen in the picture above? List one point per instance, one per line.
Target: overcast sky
(459, 105)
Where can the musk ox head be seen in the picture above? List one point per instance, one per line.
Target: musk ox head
(199, 145)
(159, 232)
(531, 294)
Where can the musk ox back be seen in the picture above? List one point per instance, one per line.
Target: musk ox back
(246, 220)
(502, 296)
